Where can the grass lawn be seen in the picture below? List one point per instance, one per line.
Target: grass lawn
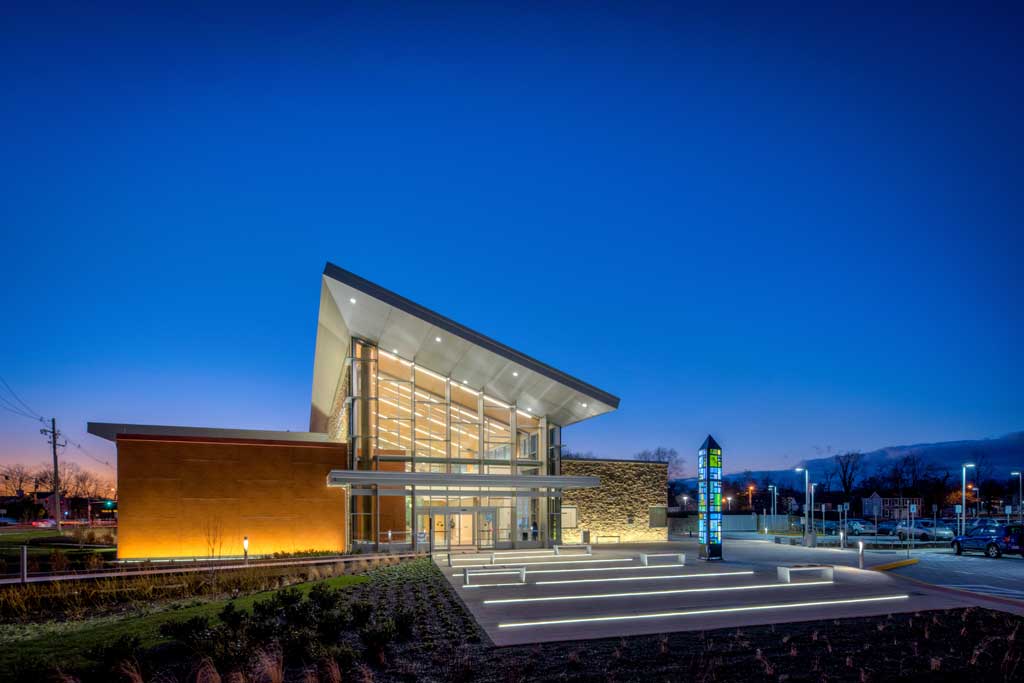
(23, 537)
(78, 637)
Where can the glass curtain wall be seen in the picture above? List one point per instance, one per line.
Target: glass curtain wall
(406, 417)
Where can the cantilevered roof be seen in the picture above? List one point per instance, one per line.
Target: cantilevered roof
(111, 431)
(351, 306)
(434, 479)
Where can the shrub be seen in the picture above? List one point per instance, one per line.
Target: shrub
(376, 636)
(125, 648)
(405, 620)
(194, 632)
(361, 613)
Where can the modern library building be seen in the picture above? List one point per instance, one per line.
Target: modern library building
(424, 434)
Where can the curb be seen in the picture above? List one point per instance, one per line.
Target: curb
(961, 592)
(894, 565)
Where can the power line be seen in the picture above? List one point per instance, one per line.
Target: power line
(87, 453)
(16, 411)
(18, 399)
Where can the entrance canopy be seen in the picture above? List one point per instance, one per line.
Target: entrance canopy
(441, 479)
(351, 306)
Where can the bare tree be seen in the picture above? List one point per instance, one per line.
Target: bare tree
(676, 463)
(14, 478)
(848, 465)
(213, 532)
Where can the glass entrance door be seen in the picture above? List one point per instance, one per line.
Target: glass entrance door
(487, 527)
(460, 529)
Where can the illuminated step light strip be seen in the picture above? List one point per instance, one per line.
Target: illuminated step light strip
(625, 559)
(523, 553)
(641, 578)
(588, 569)
(699, 612)
(672, 591)
(513, 557)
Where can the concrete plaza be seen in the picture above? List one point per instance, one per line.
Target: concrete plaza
(611, 593)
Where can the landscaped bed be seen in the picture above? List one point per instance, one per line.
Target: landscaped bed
(405, 623)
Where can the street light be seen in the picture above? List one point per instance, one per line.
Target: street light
(775, 493)
(728, 502)
(807, 499)
(1020, 498)
(685, 498)
(245, 548)
(750, 497)
(963, 496)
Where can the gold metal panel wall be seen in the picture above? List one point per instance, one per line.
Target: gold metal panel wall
(180, 498)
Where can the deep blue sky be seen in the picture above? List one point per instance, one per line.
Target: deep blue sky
(795, 228)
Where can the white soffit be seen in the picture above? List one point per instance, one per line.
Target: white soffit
(394, 322)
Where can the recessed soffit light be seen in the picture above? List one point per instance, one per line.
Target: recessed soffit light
(352, 300)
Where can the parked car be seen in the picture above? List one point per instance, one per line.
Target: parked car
(859, 527)
(887, 527)
(991, 540)
(924, 530)
(7, 521)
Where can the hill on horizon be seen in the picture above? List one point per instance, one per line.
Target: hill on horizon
(1003, 454)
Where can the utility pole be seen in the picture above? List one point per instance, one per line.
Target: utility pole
(53, 435)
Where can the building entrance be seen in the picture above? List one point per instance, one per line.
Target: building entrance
(452, 528)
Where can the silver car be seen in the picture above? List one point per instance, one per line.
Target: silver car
(859, 527)
(924, 530)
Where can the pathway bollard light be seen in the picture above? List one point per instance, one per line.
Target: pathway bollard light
(860, 554)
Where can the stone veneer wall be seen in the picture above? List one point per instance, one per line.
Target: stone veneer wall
(628, 489)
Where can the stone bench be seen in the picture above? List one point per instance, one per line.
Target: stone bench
(645, 558)
(827, 572)
(575, 546)
(484, 571)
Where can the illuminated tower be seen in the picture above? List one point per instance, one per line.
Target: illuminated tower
(709, 499)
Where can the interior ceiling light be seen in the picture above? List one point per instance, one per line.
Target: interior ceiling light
(437, 339)
(394, 351)
(465, 381)
(515, 374)
(351, 301)
(584, 405)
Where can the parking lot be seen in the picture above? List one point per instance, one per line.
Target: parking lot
(613, 593)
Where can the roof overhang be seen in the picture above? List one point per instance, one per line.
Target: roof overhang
(391, 321)
(112, 431)
(440, 479)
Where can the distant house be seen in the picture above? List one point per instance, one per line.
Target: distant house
(887, 508)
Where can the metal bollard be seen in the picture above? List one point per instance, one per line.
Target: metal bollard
(465, 576)
(24, 564)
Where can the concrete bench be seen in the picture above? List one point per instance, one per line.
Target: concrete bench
(827, 572)
(576, 546)
(483, 571)
(645, 558)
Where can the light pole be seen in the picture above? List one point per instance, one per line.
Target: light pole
(813, 484)
(728, 502)
(750, 497)
(963, 496)
(977, 501)
(807, 498)
(245, 548)
(775, 493)
(1020, 498)
(685, 498)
